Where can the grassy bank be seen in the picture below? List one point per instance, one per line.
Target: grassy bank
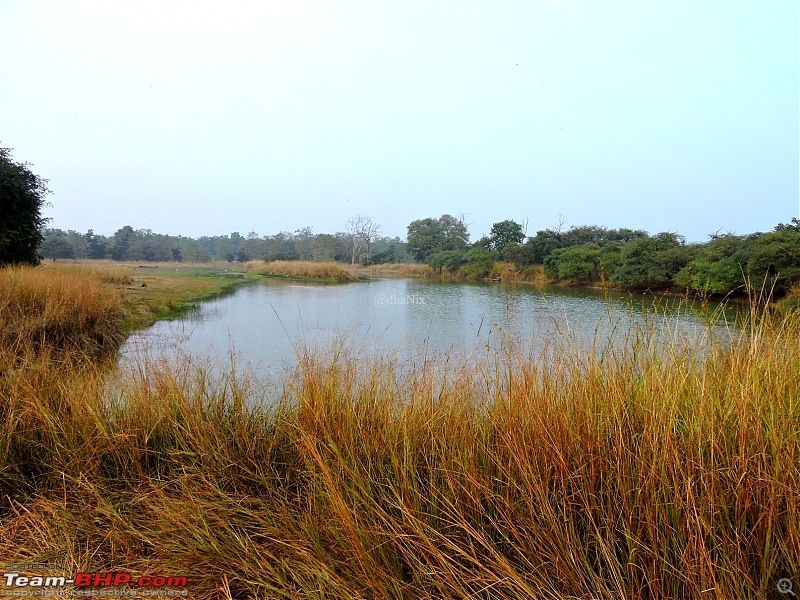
(158, 291)
(650, 472)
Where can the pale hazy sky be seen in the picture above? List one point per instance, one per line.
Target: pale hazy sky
(201, 118)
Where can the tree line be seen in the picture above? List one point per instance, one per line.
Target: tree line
(360, 242)
(584, 255)
(623, 258)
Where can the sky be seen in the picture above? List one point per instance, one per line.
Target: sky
(198, 118)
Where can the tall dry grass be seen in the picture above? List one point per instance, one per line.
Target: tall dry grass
(301, 269)
(650, 471)
(507, 271)
(408, 269)
(68, 309)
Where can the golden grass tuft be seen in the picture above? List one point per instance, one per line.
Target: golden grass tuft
(408, 269)
(68, 308)
(301, 269)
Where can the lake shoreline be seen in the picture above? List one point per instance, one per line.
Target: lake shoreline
(677, 471)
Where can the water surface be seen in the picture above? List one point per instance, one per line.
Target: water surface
(263, 325)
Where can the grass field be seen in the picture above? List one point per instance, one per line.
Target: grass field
(652, 472)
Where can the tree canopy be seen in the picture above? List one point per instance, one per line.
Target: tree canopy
(22, 197)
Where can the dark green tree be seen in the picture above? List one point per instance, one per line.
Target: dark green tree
(22, 197)
(95, 245)
(56, 246)
(329, 247)
(424, 238)
(539, 247)
(449, 260)
(122, 242)
(504, 233)
(479, 262)
(428, 236)
(651, 262)
(771, 258)
(578, 263)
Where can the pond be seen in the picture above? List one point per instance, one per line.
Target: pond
(264, 325)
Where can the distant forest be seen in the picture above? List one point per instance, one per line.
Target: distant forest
(585, 255)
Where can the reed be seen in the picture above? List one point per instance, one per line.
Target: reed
(652, 467)
(65, 309)
(407, 269)
(300, 269)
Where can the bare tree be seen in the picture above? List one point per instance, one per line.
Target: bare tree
(370, 234)
(361, 232)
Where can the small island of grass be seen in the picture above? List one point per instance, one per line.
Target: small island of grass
(303, 270)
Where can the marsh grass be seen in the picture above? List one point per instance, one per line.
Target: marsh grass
(300, 269)
(501, 271)
(407, 269)
(64, 309)
(650, 471)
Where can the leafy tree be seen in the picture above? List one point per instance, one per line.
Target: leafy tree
(578, 263)
(721, 246)
(22, 197)
(280, 246)
(427, 236)
(455, 235)
(793, 226)
(122, 242)
(95, 245)
(304, 243)
(772, 256)
(624, 235)
(718, 277)
(449, 260)
(538, 247)
(584, 234)
(253, 247)
(504, 233)
(56, 246)
(389, 250)
(210, 246)
(384, 256)
(237, 239)
(329, 247)
(651, 261)
(424, 238)
(479, 262)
